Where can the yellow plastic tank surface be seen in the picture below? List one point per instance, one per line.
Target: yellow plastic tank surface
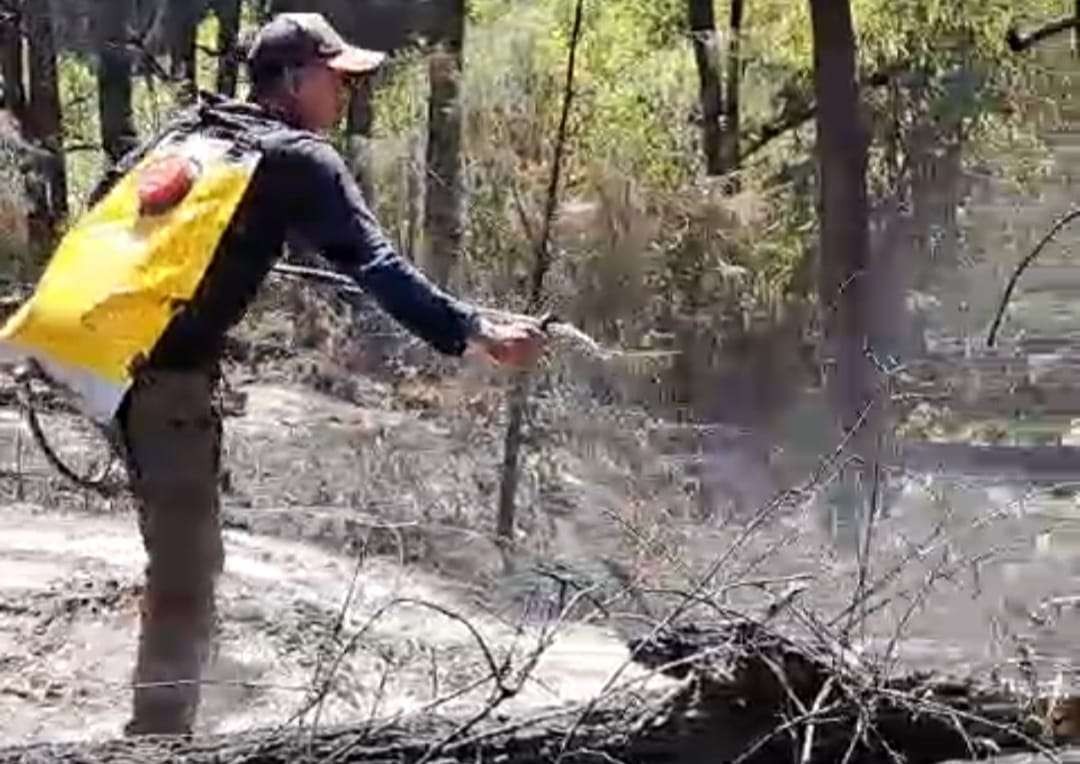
(123, 270)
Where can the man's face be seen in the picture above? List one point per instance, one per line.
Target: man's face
(320, 96)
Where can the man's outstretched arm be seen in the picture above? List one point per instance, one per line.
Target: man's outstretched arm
(331, 214)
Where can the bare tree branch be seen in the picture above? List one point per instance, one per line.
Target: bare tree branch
(520, 392)
(1018, 43)
(799, 115)
(1023, 266)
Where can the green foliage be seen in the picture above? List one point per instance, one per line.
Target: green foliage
(958, 73)
(78, 93)
(700, 255)
(401, 100)
(636, 204)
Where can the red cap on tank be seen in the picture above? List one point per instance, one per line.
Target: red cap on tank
(164, 183)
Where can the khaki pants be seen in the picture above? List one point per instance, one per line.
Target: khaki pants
(172, 437)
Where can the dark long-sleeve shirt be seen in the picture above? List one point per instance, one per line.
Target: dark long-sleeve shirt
(302, 191)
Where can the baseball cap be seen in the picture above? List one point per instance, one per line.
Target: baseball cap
(295, 39)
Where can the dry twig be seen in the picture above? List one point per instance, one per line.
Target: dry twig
(1023, 266)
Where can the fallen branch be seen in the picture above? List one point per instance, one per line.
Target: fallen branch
(702, 585)
(753, 697)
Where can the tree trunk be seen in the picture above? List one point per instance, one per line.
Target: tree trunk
(1076, 31)
(703, 38)
(44, 125)
(729, 140)
(358, 132)
(842, 145)
(228, 15)
(445, 208)
(11, 59)
(118, 134)
(182, 52)
(414, 192)
(188, 70)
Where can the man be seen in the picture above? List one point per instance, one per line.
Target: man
(302, 191)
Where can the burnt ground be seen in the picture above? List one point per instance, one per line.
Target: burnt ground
(349, 461)
(350, 482)
(312, 534)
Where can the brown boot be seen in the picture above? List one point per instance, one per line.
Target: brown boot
(174, 645)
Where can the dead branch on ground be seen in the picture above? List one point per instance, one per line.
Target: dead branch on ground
(751, 695)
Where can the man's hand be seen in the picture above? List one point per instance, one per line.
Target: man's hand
(509, 339)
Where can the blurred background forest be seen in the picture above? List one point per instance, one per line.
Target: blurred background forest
(797, 219)
(791, 198)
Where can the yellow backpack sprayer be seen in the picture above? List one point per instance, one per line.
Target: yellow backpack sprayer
(120, 274)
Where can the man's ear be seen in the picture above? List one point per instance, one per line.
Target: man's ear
(290, 78)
